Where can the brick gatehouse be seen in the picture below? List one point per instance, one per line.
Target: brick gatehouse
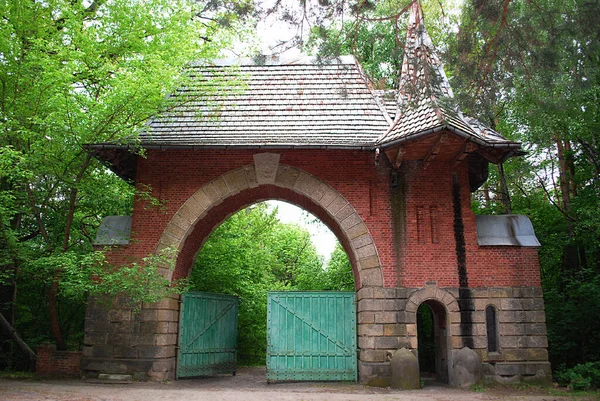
(389, 172)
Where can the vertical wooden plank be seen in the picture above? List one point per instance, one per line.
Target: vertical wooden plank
(314, 337)
(207, 334)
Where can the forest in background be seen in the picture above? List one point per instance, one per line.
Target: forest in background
(78, 72)
(252, 253)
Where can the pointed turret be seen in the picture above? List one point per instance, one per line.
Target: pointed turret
(422, 76)
(428, 123)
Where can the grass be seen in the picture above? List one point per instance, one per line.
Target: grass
(561, 391)
(16, 375)
(534, 389)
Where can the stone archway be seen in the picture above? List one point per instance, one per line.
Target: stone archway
(146, 343)
(267, 170)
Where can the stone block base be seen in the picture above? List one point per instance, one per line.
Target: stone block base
(144, 344)
(140, 369)
(387, 321)
(512, 372)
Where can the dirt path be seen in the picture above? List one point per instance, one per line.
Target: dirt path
(248, 385)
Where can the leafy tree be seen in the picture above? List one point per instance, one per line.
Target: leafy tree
(338, 275)
(74, 73)
(298, 265)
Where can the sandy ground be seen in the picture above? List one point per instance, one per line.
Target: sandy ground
(249, 385)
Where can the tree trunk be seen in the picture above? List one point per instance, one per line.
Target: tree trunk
(8, 290)
(566, 172)
(8, 328)
(53, 292)
(53, 309)
(486, 195)
(504, 195)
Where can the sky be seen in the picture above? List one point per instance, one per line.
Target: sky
(321, 236)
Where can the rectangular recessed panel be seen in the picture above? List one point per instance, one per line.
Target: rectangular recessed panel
(207, 334)
(311, 336)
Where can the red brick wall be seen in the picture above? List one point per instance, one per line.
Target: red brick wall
(429, 246)
(430, 253)
(174, 175)
(51, 362)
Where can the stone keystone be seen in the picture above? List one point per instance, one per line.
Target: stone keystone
(266, 167)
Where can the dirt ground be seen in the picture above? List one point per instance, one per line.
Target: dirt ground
(248, 385)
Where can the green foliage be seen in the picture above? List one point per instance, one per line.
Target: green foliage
(252, 253)
(140, 282)
(581, 377)
(571, 314)
(374, 34)
(338, 275)
(426, 335)
(74, 73)
(16, 375)
(297, 264)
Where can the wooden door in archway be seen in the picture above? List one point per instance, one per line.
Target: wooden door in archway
(311, 336)
(207, 334)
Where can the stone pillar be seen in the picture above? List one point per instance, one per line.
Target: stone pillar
(382, 329)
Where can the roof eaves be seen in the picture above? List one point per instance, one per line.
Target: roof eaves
(456, 130)
(365, 146)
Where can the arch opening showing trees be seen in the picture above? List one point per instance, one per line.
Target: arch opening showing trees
(253, 252)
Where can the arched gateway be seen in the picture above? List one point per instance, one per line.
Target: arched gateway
(390, 172)
(267, 179)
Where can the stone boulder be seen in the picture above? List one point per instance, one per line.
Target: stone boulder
(467, 368)
(405, 370)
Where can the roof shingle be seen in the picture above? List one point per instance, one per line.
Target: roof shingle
(298, 104)
(305, 103)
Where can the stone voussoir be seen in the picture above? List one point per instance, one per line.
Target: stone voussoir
(222, 190)
(371, 278)
(337, 204)
(251, 176)
(357, 231)
(286, 176)
(343, 213)
(352, 220)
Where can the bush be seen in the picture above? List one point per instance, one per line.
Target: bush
(581, 377)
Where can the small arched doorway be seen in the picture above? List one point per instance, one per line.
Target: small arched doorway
(432, 324)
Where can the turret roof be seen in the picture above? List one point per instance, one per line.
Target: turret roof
(425, 99)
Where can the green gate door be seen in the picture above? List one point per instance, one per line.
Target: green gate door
(207, 334)
(311, 336)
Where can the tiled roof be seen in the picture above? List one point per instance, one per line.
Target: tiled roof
(305, 103)
(301, 103)
(388, 98)
(425, 101)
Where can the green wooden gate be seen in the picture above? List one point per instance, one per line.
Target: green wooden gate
(207, 334)
(311, 336)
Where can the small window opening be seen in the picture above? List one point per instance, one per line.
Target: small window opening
(492, 328)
